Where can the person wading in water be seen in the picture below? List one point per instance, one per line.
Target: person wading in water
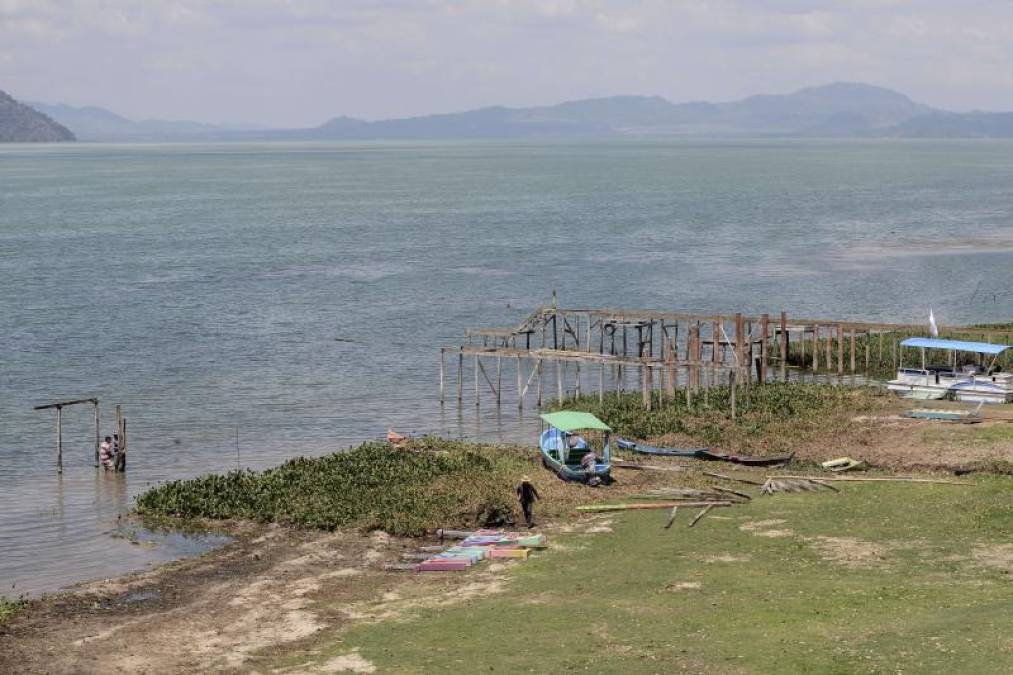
(526, 495)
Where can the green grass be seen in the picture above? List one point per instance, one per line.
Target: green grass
(10, 608)
(927, 590)
(970, 436)
(771, 418)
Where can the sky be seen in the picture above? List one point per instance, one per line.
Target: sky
(293, 63)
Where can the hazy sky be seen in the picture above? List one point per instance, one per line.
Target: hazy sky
(299, 62)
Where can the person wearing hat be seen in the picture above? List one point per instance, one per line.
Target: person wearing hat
(526, 495)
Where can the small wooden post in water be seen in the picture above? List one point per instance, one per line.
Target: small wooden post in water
(442, 375)
(98, 432)
(59, 439)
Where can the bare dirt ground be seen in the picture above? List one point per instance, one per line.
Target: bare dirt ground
(274, 595)
(208, 614)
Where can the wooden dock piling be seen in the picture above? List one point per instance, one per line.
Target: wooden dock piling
(667, 350)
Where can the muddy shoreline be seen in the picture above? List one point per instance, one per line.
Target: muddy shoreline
(217, 612)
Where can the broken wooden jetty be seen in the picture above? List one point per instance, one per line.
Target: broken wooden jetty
(662, 352)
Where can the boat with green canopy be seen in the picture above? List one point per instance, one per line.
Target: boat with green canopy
(576, 446)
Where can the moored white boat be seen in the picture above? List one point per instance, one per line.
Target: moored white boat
(972, 384)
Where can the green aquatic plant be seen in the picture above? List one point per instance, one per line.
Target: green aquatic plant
(406, 491)
(10, 608)
(772, 417)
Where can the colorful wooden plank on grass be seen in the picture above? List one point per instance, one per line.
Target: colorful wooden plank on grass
(443, 566)
(521, 553)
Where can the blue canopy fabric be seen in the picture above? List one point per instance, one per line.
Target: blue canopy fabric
(956, 345)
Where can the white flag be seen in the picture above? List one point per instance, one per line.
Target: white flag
(933, 328)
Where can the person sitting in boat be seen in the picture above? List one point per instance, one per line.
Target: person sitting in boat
(576, 442)
(589, 463)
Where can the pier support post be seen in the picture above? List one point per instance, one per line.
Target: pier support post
(499, 380)
(840, 349)
(520, 385)
(829, 349)
(731, 389)
(460, 377)
(784, 346)
(816, 347)
(851, 339)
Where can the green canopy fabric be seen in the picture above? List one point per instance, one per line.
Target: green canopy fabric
(571, 420)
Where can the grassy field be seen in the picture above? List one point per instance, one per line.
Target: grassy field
(879, 578)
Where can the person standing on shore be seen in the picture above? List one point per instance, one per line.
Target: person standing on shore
(526, 495)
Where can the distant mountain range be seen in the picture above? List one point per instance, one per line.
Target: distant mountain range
(841, 109)
(19, 123)
(91, 123)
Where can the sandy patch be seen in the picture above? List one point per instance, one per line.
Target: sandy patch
(725, 558)
(849, 551)
(683, 586)
(352, 662)
(754, 525)
(997, 556)
(599, 525)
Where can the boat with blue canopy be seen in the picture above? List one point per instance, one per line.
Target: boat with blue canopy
(983, 382)
(576, 446)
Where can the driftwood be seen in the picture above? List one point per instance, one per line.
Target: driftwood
(733, 478)
(897, 479)
(774, 485)
(671, 518)
(702, 513)
(733, 492)
(659, 505)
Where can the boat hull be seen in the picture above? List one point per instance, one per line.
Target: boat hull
(632, 446)
(549, 446)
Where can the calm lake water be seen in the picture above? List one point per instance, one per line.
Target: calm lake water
(298, 292)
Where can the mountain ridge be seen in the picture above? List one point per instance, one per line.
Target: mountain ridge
(838, 109)
(20, 123)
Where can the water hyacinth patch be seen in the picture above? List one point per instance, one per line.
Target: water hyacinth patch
(406, 491)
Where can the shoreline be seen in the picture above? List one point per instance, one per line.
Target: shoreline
(277, 591)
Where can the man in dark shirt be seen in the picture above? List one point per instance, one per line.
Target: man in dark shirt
(526, 495)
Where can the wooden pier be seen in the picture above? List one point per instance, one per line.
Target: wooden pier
(582, 350)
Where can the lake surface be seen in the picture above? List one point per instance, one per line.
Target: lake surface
(299, 292)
